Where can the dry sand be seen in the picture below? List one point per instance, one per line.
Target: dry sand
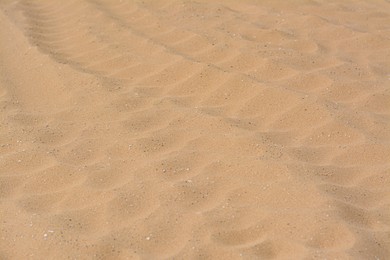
(194, 130)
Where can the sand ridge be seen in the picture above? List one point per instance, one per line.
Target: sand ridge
(194, 130)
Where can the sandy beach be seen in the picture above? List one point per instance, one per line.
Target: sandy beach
(194, 129)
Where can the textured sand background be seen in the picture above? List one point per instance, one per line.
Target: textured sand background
(194, 130)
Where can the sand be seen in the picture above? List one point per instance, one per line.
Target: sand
(194, 130)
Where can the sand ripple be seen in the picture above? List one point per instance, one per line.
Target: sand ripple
(194, 130)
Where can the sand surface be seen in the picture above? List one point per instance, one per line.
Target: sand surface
(194, 130)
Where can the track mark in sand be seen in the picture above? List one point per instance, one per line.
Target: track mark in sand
(75, 40)
(198, 130)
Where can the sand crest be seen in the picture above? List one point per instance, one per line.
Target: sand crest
(194, 130)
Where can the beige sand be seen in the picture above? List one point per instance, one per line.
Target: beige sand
(194, 130)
